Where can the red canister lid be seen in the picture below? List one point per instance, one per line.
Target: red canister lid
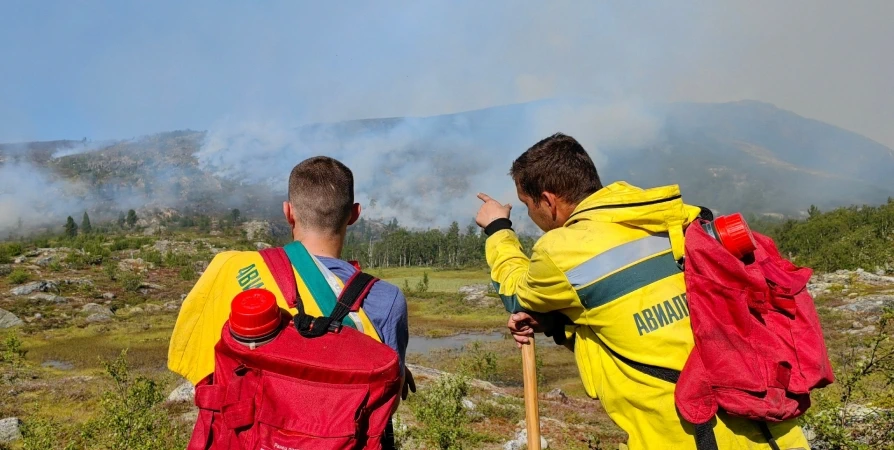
(735, 235)
(254, 314)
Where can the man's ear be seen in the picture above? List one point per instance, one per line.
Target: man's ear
(287, 211)
(355, 213)
(551, 202)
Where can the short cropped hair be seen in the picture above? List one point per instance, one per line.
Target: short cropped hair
(557, 164)
(321, 191)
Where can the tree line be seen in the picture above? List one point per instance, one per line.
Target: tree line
(844, 238)
(374, 244)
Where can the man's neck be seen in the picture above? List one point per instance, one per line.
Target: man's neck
(321, 244)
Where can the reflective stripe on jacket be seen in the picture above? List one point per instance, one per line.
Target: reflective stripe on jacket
(207, 307)
(611, 269)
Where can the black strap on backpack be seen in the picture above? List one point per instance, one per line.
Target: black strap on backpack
(704, 432)
(355, 289)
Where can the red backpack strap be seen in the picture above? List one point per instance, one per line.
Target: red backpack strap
(281, 268)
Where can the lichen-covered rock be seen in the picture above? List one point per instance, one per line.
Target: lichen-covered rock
(34, 286)
(98, 318)
(9, 430)
(93, 308)
(183, 393)
(9, 320)
(52, 298)
(476, 295)
(868, 303)
(256, 229)
(136, 265)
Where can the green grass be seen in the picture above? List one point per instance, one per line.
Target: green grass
(435, 314)
(438, 280)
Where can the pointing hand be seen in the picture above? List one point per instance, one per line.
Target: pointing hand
(491, 210)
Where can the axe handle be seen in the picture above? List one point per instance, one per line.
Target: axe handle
(532, 414)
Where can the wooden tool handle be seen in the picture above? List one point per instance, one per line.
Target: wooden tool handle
(532, 414)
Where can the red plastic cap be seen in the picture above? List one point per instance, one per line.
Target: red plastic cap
(735, 235)
(254, 313)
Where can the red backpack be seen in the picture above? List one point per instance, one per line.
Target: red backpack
(315, 385)
(759, 347)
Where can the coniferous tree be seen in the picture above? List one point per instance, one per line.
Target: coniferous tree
(71, 228)
(86, 228)
(131, 218)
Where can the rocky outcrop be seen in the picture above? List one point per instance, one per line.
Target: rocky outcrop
(520, 442)
(873, 304)
(256, 229)
(44, 297)
(183, 393)
(35, 286)
(476, 295)
(842, 281)
(96, 313)
(135, 265)
(9, 320)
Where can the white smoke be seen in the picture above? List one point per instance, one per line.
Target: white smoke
(425, 171)
(30, 196)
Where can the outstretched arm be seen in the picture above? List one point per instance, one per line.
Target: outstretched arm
(525, 284)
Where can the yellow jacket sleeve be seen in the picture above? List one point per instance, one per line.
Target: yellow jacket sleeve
(199, 324)
(536, 284)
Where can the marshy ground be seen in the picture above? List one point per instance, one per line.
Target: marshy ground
(54, 364)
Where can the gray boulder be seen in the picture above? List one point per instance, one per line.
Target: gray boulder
(476, 295)
(136, 265)
(98, 318)
(48, 298)
(521, 441)
(868, 304)
(9, 320)
(557, 395)
(182, 393)
(34, 286)
(93, 308)
(45, 261)
(9, 430)
(256, 229)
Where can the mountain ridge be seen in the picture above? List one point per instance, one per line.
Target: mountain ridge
(746, 155)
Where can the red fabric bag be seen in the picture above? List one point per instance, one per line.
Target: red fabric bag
(759, 348)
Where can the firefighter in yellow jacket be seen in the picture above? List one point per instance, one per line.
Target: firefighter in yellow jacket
(606, 272)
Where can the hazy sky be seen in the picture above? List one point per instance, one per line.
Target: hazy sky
(117, 69)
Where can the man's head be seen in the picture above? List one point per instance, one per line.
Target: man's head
(552, 178)
(321, 197)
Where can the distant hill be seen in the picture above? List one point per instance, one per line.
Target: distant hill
(747, 156)
(753, 156)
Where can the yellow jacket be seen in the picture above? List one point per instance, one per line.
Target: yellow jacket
(207, 307)
(611, 270)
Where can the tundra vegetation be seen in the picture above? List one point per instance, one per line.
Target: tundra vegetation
(87, 314)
